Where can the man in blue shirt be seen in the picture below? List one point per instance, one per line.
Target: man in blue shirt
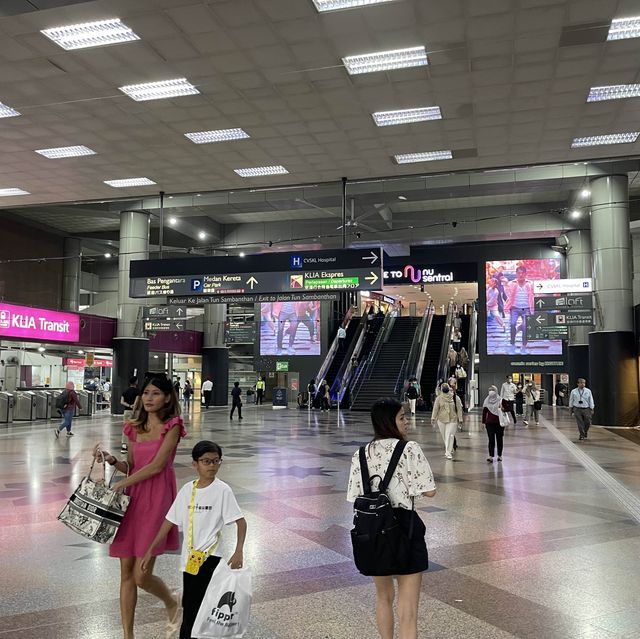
(581, 405)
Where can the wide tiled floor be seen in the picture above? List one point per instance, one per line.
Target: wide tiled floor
(538, 546)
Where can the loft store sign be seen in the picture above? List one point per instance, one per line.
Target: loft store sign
(39, 324)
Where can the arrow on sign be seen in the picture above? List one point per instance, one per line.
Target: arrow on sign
(252, 281)
(539, 286)
(178, 326)
(373, 278)
(540, 320)
(540, 304)
(179, 311)
(373, 258)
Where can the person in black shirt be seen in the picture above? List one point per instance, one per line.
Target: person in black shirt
(236, 400)
(129, 400)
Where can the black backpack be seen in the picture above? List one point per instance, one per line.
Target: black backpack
(380, 545)
(62, 399)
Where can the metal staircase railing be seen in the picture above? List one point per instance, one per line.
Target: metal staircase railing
(471, 350)
(345, 372)
(443, 366)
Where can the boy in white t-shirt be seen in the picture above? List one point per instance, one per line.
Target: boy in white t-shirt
(200, 510)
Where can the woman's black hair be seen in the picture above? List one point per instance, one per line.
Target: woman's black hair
(171, 408)
(383, 418)
(203, 447)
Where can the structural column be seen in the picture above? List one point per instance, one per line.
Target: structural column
(612, 350)
(578, 266)
(130, 348)
(215, 354)
(72, 249)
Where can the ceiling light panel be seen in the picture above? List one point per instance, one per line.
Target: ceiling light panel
(335, 5)
(7, 111)
(11, 192)
(406, 116)
(261, 170)
(598, 140)
(160, 90)
(91, 34)
(624, 28)
(613, 92)
(429, 156)
(66, 152)
(386, 60)
(221, 135)
(119, 184)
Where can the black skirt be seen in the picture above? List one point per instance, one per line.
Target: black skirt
(419, 555)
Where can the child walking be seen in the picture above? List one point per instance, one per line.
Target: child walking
(201, 509)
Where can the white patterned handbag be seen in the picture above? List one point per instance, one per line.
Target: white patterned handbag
(94, 510)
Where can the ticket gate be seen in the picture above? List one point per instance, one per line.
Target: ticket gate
(87, 401)
(43, 404)
(24, 408)
(6, 407)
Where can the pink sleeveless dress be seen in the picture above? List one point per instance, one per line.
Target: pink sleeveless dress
(150, 499)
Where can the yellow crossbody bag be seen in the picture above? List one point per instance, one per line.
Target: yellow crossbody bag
(196, 558)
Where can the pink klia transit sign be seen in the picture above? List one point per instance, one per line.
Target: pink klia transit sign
(29, 323)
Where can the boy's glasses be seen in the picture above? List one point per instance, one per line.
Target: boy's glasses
(210, 462)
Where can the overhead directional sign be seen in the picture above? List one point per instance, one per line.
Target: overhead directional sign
(165, 312)
(329, 270)
(254, 298)
(563, 302)
(165, 325)
(581, 285)
(579, 317)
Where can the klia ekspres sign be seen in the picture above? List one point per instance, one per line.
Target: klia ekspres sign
(40, 324)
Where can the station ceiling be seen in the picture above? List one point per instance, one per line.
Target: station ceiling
(511, 78)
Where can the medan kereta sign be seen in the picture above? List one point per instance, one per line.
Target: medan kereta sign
(39, 324)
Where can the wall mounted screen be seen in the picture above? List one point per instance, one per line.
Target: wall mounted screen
(510, 302)
(291, 328)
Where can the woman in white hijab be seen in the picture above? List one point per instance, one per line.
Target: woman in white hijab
(492, 410)
(447, 413)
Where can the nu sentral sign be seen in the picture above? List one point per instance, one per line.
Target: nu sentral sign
(407, 271)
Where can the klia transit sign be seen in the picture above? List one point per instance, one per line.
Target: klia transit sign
(39, 324)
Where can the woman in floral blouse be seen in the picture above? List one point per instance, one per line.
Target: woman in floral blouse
(412, 478)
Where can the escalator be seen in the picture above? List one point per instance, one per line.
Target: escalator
(342, 351)
(431, 363)
(388, 367)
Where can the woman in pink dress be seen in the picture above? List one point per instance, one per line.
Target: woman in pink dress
(151, 483)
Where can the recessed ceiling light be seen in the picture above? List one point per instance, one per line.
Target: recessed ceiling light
(386, 60)
(428, 156)
(66, 152)
(12, 192)
(159, 90)
(155, 357)
(107, 255)
(173, 221)
(81, 352)
(198, 194)
(119, 184)
(335, 5)
(624, 28)
(41, 349)
(585, 193)
(598, 140)
(202, 235)
(7, 111)
(613, 92)
(402, 197)
(91, 34)
(261, 170)
(221, 135)
(575, 214)
(406, 116)
(241, 254)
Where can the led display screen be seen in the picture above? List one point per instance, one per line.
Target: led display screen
(510, 301)
(290, 328)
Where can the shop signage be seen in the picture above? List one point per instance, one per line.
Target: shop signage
(406, 271)
(90, 362)
(74, 362)
(254, 298)
(579, 285)
(563, 302)
(336, 269)
(39, 324)
(164, 312)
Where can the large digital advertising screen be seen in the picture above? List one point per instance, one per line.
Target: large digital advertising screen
(290, 328)
(510, 301)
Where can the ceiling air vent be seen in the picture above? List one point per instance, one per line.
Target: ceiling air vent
(595, 33)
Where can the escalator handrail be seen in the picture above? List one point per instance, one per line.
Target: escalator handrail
(364, 370)
(331, 353)
(353, 351)
(412, 366)
(425, 341)
(471, 351)
(443, 366)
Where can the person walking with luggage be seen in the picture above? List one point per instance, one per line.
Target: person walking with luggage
(153, 435)
(447, 414)
(201, 510)
(236, 400)
(494, 411)
(531, 403)
(68, 402)
(412, 478)
(207, 388)
(582, 407)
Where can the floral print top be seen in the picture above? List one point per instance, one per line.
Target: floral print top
(413, 475)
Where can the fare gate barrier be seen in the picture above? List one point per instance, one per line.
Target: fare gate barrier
(6, 407)
(24, 408)
(87, 401)
(43, 404)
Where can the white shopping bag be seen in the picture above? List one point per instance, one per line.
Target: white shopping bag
(226, 605)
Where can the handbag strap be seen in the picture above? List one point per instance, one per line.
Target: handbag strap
(192, 505)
